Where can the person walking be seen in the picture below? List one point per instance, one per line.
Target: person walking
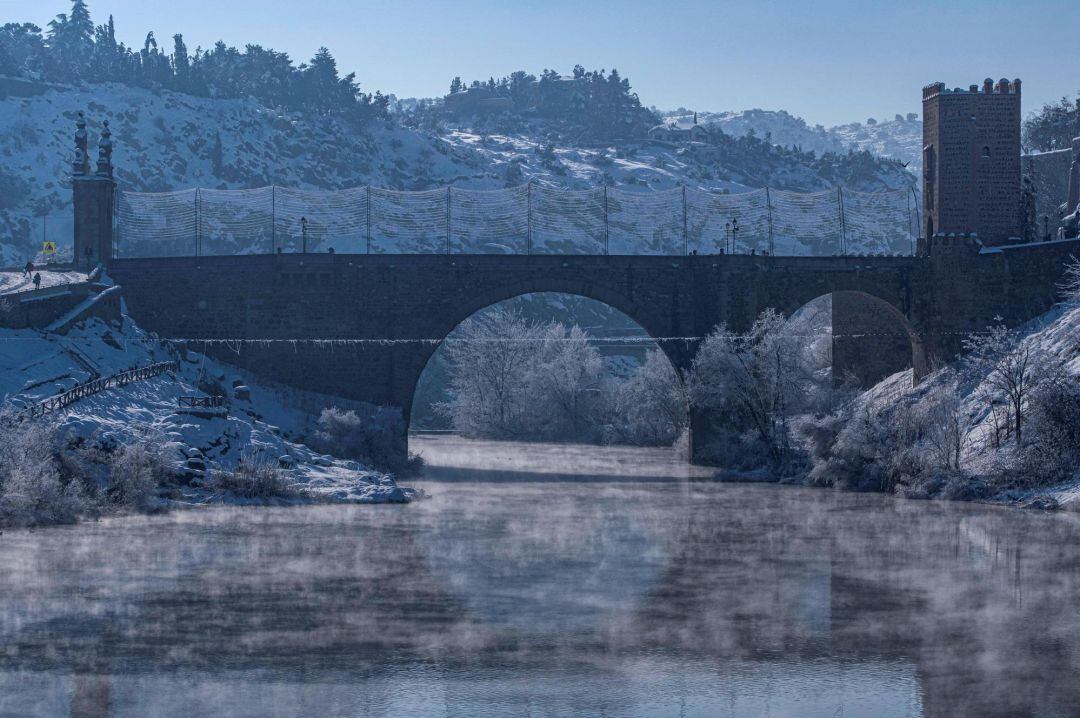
(37, 280)
(28, 268)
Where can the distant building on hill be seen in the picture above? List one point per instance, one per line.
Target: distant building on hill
(478, 100)
(971, 160)
(680, 131)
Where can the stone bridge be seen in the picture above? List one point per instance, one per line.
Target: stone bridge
(888, 312)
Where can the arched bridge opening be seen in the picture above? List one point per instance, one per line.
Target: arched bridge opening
(858, 338)
(552, 366)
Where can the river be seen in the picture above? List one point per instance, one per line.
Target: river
(549, 581)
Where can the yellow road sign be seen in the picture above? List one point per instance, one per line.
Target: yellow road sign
(48, 247)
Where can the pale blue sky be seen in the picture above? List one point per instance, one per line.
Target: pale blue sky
(828, 60)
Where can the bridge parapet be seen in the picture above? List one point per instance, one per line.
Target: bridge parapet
(949, 245)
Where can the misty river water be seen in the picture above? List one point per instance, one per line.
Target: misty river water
(539, 580)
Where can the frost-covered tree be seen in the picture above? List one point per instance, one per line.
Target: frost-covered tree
(947, 428)
(753, 382)
(650, 407)
(1009, 368)
(514, 378)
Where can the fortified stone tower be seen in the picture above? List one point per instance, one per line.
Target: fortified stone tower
(971, 160)
(92, 195)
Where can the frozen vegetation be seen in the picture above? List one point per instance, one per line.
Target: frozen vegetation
(1001, 423)
(133, 447)
(511, 377)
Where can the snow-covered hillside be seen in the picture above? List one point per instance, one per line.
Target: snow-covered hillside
(166, 141)
(170, 141)
(899, 138)
(966, 403)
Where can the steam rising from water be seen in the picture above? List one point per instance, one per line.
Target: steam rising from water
(533, 594)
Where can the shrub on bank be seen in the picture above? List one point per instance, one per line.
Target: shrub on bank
(32, 490)
(255, 477)
(373, 438)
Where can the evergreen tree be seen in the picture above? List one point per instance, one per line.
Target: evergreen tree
(21, 49)
(181, 64)
(455, 85)
(70, 40)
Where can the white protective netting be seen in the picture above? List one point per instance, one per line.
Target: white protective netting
(806, 223)
(879, 222)
(735, 223)
(157, 224)
(408, 222)
(335, 220)
(645, 222)
(515, 221)
(567, 222)
(236, 221)
(489, 221)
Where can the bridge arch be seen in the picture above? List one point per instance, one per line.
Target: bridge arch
(420, 394)
(871, 337)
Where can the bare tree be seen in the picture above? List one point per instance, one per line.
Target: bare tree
(1070, 285)
(947, 429)
(1008, 366)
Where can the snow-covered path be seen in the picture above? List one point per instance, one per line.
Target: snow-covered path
(15, 281)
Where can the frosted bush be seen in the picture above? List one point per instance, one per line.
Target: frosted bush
(1052, 453)
(31, 488)
(866, 450)
(374, 437)
(256, 476)
(135, 471)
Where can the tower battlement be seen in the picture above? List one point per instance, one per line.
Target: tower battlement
(1003, 87)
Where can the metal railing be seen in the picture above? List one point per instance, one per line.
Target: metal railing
(200, 402)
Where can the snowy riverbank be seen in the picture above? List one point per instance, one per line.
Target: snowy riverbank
(196, 447)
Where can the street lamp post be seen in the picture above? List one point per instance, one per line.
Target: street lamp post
(303, 234)
(734, 233)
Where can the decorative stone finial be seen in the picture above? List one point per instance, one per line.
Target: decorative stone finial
(81, 164)
(104, 163)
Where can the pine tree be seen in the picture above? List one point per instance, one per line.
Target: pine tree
(181, 64)
(455, 85)
(71, 41)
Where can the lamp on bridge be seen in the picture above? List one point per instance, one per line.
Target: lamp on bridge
(303, 234)
(731, 231)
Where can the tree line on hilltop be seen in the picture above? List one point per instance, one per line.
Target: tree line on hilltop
(598, 101)
(74, 49)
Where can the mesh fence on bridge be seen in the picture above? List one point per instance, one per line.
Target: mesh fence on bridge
(518, 220)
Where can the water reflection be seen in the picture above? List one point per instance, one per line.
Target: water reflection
(537, 595)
